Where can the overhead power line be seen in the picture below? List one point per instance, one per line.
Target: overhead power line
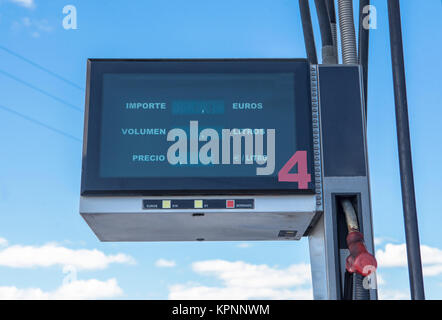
(38, 66)
(10, 110)
(68, 104)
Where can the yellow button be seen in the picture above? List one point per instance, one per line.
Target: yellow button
(198, 204)
(166, 204)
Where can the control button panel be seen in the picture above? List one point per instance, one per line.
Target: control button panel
(198, 204)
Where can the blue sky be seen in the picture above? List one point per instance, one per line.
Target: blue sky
(42, 236)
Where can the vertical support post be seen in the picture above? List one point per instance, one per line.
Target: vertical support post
(405, 160)
(322, 267)
(333, 25)
(309, 38)
(328, 50)
(363, 44)
(341, 106)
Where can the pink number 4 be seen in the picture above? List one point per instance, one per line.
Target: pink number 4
(302, 177)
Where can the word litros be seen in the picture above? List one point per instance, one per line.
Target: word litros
(209, 153)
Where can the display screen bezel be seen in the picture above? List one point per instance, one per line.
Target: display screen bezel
(93, 184)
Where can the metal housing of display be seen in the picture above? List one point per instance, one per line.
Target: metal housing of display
(134, 188)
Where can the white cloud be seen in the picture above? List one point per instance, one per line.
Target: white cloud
(196, 292)
(3, 242)
(42, 25)
(240, 273)
(52, 254)
(88, 289)
(242, 280)
(395, 255)
(18, 256)
(380, 240)
(33, 27)
(380, 279)
(78, 289)
(163, 263)
(25, 3)
(386, 292)
(433, 270)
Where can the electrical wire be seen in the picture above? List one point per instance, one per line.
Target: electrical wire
(309, 38)
(40, 90)
(328, 51)
(36, 65)
(331, 10)
(333, 25)
(42, 124)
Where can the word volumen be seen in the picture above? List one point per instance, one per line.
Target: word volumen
(143, 131)
(209, 153)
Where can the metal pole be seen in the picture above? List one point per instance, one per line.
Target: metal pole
(364, 36)
(309, 38)
(405, 161)
(334, 28)
(328, 50)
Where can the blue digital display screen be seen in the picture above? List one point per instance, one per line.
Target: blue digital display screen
(198, 107)
(139, 112)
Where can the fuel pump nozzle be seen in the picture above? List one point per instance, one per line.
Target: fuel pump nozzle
(359, 260)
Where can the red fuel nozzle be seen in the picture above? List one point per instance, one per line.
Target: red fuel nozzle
(359, 260)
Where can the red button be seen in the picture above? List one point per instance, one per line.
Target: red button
(230, 203)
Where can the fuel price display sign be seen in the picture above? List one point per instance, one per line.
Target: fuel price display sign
(197, 126)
